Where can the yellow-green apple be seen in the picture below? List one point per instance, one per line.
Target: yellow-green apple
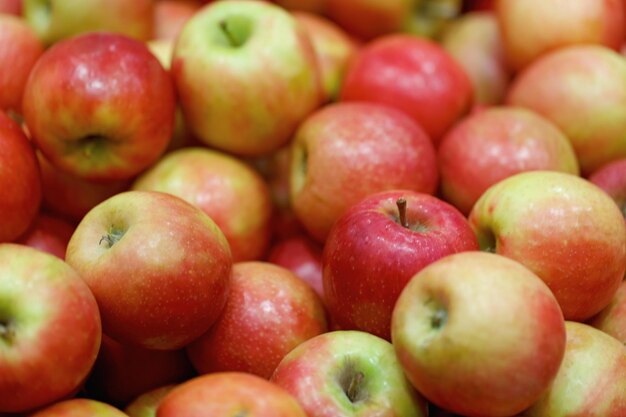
(79, 407)
(54, 20)
(158, 266)
(531, 28)
(227, 394)
(478, 334)
(414, 75)
(334, 49)
(146, 404)
(171, 15)
(562, 227)
(48, 233)
(19, 50)
(13, 7)
(581, 89)
(488, 146)
(20, 181)
(474, 41)
(268, 313)
(611, 178)
(246, 74)
(230, 192)
(122, 372)
(348, 373)
(100, 106)
(612, 318)
(346, 151)
(591, 381)
(310, 6)
(377, 245)
(49, 329)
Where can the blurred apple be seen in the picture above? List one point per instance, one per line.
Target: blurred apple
(146, 404)
(48, 234)
(13, 7)
(612, 179)
(612, 319)
(171, 15)
(369, 19)
(79, 407)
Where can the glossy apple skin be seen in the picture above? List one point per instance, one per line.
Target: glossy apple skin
(531, 28)
(268, 313)
(224, 394)
(49, 234)
(591, 381)
(318, 372)
(494, 144)
(499, 344)
(582, 90)
(123, 372)
(612, 179)
(414, 75)
(369, 256)
(117, 117)
(56, 327)
(171, 15)
(230, 192)
(565, 229)
(19, 46)
(79, 407)
(612, 319)
(20, 181)
(245, 99)
(148, 257)
(346, 151)
(147, 403)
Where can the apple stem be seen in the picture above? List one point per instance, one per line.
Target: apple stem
(354, 387)
(401, 203)
(227, 32)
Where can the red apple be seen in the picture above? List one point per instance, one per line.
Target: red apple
(117, 117)
(171, 15)
(49, 329)
(158, 267)
(612, 319)
(268, 313)
(79, 407)
(612, 179)
(346, 151)
(414, 75)
(147, 403)
(369, 19)
(377, 245)
(11, 7)
(479, 334)
(494, 144)
(49, 234)
(20, 181)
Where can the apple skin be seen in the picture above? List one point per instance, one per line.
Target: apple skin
(309, 6)
(493, 144)
(48, 233)
(611, 178)
(369, 256)
(248, 94)
(591, 381)
(115, 120)
(50, 329)
(20, 181)
(414, 75)
(148, 257)
(268, 313)
(478, 334)
(55, 20)
(563, 228)
(531, 28)
(79, 407)
(346, 151)
(612, 319)
(147, 403)
(13, 7)
(226, 394)
(582, 90)
(170, 17)
(19, 46)
(230, 192)
(318, 374)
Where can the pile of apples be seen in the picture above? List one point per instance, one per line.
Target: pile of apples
(312, 208)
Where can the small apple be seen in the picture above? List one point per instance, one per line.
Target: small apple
(611, 178)
(612, 319)
(49, 234)
(79, 407)
(147, 403)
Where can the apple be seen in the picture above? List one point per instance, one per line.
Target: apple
(591, 381)
(170, 17)
(49, 329)
(563, 228)
(611, 178)
(268, 313)
(118, 115)
(348, 373)
(55, 20)
(309, 6)
(531, 28)
(414, 75)
(146, 404)
(369, 19)
(13, 7)
(19, 50)
(581, 89)
(612, 319)
(79, 407)
(488, 146)
(158, 266)
(478, 334)
(377, 245)
(246, 74)
(346, 151)
(48, 233)
(230, 192)
(20, 181)
(226, 394)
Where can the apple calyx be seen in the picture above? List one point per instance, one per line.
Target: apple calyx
(352, 382)
(401, 203)
(112, 237)
(438, 314)
(487, 241)
(236, 30)
(7, 331)
(92, 144)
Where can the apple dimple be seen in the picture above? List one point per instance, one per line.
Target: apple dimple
(352, 382)
(235, 31)
(487, 240)
(400, 215)
(7, 330)
(114, 234)
(91, 145)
